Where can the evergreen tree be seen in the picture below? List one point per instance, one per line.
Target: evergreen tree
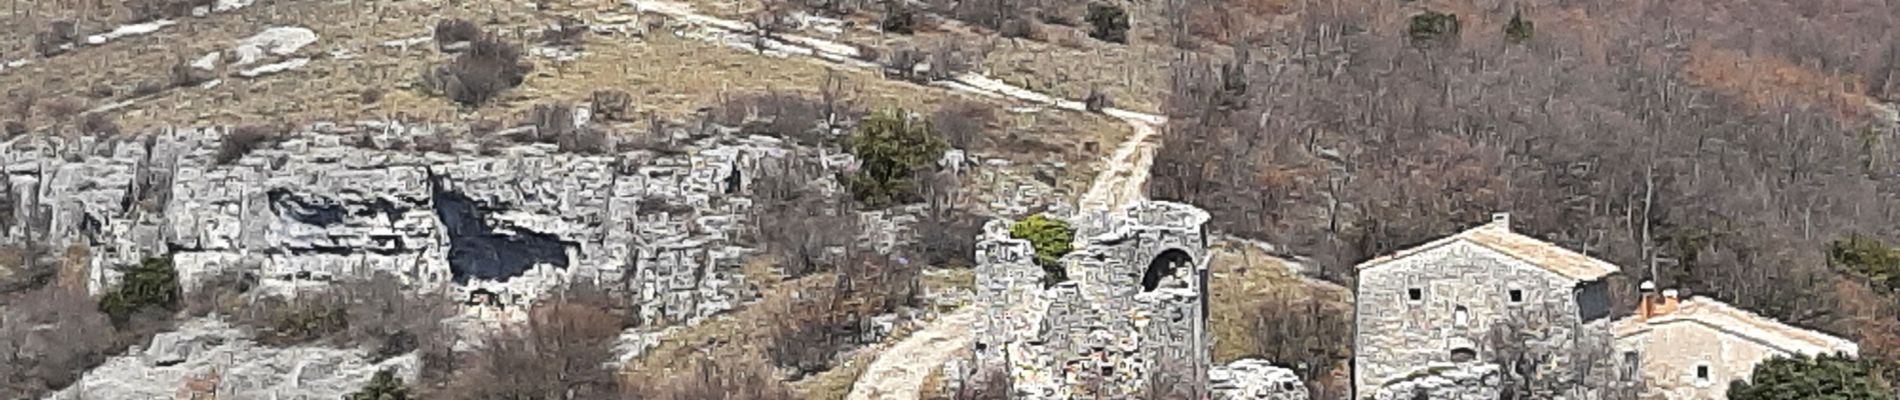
(892, 147)
(153, 284)
(384, 386)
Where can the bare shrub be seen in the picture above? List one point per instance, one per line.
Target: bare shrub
(1096, 101)
(612, 105)
(902, 61)
(148, 10)
(804, 334)
(567, 32)
(1305, 330)
(183, 74)
(455, 30)
(562, 351)
(962, 121)
(22, 102)
(147, 88)
(241, 141)
(15, 128)
(488, 67)
(49, 337)
(64, 108)
(797, 220)
(98, 124)
(53, 40)
(370, 95)
(551, 122)
(777, 113)
(712, 378)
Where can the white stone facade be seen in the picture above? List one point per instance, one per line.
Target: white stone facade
(1446, 302)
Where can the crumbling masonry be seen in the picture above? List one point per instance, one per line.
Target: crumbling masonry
(1131, 321)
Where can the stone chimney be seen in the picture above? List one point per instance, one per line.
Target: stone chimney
(1501, 221)
(1656, 305)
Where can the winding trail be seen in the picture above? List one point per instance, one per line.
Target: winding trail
(900, 371)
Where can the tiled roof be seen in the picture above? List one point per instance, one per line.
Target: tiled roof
(1498, 236)
(1718, 316)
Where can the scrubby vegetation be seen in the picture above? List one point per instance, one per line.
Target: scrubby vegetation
(149, 287)
(1822, 377)
(384, 386)
(1108, 22)
(1052, 238)
(240, 141)
(487, 67)
(892, 147)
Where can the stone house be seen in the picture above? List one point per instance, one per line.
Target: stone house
(1445, 302)
(1692, 348)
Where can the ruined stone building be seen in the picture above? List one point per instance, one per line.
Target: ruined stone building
(1692, 348)
(1479, 296)
(1130, 322)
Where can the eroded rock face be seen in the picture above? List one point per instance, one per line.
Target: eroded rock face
(336, 202)
(206, 356)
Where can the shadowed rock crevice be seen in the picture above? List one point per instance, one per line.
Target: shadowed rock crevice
(477, 250)
(314, 210)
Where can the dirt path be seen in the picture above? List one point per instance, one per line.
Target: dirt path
(899, 373)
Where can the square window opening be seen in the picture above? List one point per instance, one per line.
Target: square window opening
(1702, 375)
(1517, 295)
(1414, 294)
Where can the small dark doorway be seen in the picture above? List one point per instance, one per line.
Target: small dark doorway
(1162, 269)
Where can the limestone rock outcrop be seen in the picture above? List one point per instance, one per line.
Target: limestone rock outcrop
(209, 357)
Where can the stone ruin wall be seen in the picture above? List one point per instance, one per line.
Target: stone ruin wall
(347, 201)
(1102, 333)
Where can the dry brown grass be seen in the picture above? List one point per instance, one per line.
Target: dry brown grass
(1763, 82)
(1243, 278)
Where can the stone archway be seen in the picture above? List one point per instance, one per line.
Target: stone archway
(1163, 268)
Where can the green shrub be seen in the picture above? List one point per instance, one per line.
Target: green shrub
(153, 284)
(1108, 22)
(1433, 26)
(892, 147)
(1869, 258)
(1519, 30)
(1051, 238)
(384, 386)
(1826, 377)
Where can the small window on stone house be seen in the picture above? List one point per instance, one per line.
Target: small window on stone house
(1414, 294)
(1517, 296)
(1702, 375)
(1461, 317)
(1630, 361)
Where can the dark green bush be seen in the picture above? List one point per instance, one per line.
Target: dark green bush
(152, 285)
(1108, 22)
(1519, 30)
(1826, 377)
(1433, 27)
(1869, 258)
(892, 147)
(384, 386)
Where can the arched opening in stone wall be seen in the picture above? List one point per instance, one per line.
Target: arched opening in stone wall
(1161, 270)
(1463, 354)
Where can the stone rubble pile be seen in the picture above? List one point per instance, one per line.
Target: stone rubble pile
(1254, 379)
(1466, 381)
